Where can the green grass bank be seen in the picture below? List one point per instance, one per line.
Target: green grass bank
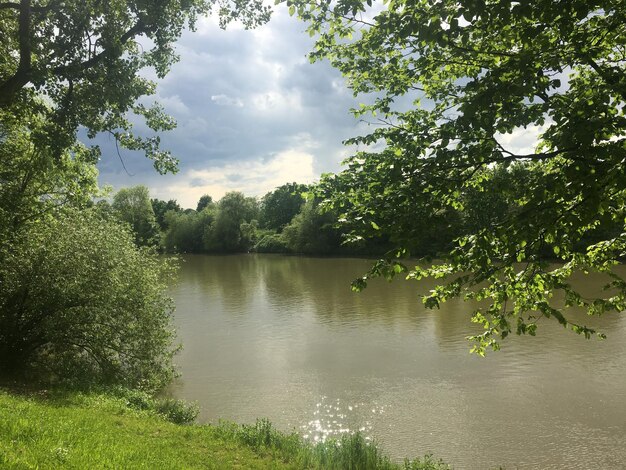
(40, 430)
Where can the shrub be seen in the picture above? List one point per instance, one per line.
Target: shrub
(174, 410)
(81, 303)
(271, 243)
(177, 411)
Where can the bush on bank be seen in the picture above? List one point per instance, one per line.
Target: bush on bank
(81, 304)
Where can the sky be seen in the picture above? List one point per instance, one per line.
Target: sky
(252, 111)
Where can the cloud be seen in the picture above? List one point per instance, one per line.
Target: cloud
(252, 177)
(240, 96)
(224, 100)
(252, 114)
(522, 140)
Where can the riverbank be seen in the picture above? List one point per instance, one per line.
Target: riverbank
(75, 430)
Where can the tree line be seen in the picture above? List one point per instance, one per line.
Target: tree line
(297, 218)
(289, 219)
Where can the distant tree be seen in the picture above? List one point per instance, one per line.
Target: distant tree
(226, 233)
(187, 231)
(160, 208)
(80, 302)
(103, 208)
(132, 205)
(312, 231)
(271, 243)
(249, 234)
(278, 207)
(203, 202)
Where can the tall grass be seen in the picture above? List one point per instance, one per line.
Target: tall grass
(348, 452)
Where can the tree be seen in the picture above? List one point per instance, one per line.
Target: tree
(77, 298)
(226, 232)
(312, 231)
(86, 59)
(450, 80)
(80, 302)
(160, 208)
(133, 206)
(204, 201)
(281, 205)
(187, 231)
(34, 184)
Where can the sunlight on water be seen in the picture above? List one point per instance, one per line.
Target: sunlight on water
(332, 418)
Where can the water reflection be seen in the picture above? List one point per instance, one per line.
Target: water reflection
(284, 338)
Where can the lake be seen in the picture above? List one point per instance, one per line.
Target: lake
(284, 338)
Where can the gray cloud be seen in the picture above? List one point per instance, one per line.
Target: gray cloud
(243, 100)
(224, 100)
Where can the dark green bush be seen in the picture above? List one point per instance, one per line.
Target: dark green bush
(80, 303)
(271, 243)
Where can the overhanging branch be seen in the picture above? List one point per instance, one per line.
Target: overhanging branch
(22, 75)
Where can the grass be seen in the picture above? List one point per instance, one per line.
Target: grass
(77, 430)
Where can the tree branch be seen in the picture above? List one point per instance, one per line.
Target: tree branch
(21, 77)
(23, 74)
(18, 6)
(610, 78)
(137, 29)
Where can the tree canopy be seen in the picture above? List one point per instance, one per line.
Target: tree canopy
(451, 85)
(85, 58)
(278, 207)
(133, 206)
(161, 208)
(204, 201)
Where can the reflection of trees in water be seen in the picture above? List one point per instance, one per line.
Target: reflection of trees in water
(322, 285)
(241, 283)
(283, 279)
(231, 280)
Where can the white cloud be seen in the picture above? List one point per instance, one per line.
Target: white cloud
(253, 178)
(224, 100)
(523, 140)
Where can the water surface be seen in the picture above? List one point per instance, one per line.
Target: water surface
(285, 338)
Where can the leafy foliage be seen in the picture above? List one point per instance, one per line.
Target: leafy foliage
(86, 58)
(312, 231)
(160, 208)
(450, 80)
(203, 202)
(186, 231)
(228, 226)
(34, 184)
(229, 232)
(271, 243)
(278, 207)
(81, 303)
(133, 206)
